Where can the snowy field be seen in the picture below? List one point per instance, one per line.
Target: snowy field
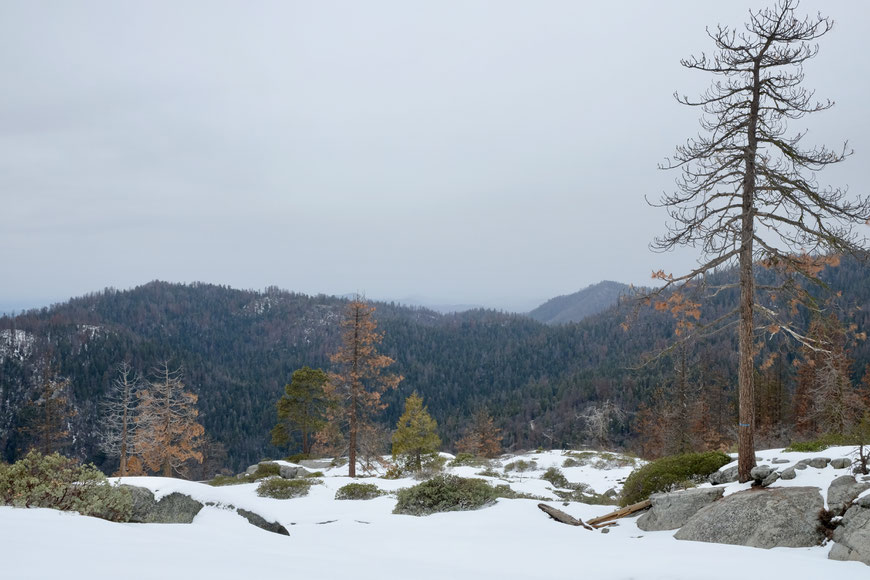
(363, 539)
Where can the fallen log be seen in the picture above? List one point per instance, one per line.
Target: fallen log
(620, 513)
(562, 517)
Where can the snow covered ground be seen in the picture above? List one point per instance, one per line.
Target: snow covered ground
(363, 539)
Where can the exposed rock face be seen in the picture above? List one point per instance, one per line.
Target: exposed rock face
(761, 518)
(671, 510)
(260, 522)
(818, 462)
(760, 472)
(724, 476)
(788, 473)
(292, 471)
(175, 508)
(841, 463)
(770, 479)
(853, 536)
(843, 492)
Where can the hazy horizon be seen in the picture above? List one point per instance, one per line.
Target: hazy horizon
(476, 152)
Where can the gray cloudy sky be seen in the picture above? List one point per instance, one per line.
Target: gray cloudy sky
(489, 152)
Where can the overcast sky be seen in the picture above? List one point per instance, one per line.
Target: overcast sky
(495, 153)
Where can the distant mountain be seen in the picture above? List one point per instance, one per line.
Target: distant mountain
(575, 307)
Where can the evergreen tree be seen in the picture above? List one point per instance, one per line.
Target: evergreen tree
(359, 381)
(302, 407)
(482, 438)
(415, 440)
(49, 428)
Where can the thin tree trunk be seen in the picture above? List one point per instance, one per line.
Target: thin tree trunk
(746, 391)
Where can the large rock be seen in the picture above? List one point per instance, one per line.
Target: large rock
(819, 462)
(671, 510)
(841, 463)
(843, 491)
(262, 523)
(760, 472)
(852, 537)
(292, 471)
(760, 518)
(724, 476)
(175, 508)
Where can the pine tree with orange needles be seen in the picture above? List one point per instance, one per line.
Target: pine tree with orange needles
(167, 431)
(357, 384)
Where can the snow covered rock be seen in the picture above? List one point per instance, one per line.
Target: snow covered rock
(760, 518)
(843, 491)
(852, 538)
(671, 510)
(175, 508)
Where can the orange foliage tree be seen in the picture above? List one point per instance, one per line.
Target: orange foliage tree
(167, 431)
(357, 383)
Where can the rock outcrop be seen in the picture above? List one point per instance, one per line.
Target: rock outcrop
(262, 523)
(842, 492)
(669, 511)
(175, 508)
(852, 537)
(761, 518)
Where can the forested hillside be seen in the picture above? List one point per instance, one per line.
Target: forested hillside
(579, 305)
(238, 348)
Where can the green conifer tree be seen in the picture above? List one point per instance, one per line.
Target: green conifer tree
(302, 407)
(416, 440)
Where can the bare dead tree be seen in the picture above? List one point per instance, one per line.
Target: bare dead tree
(600, 419)
(119, 425)
(747, 191)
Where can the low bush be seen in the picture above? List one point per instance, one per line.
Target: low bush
(669, 473)
(58, 482)
(505, 491)
(263, 471)
(358, 491)
(555, 476)
(520, 465)
(462, 459)
(278, 488)
(445, 493)
(820, 444)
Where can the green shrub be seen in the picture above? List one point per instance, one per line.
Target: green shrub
(263, 471)
(520, 465)
(278, 488)
(297, 457)
(222, 480)
(571, 462)
(358, 491)
(470, 460)
(668, 473)
(445, 493)
(505, 491)
(555, 476)
(489, 472)
(314, 474)
(820, 444)
(58, 482)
